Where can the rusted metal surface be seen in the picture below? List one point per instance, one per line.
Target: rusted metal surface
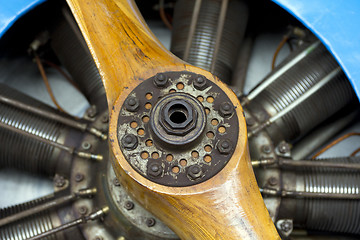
(173, 136)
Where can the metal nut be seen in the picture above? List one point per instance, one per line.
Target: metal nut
(150, 222)
(284, 147)
(200, 82)
(286, 226)
(79, 177)
(226, 109)
(129, 141)
(132, 104)
(59, 181)
(129, 205)
(116, 182)
(91, 111)
(160, 80)
(86, 145)
(266, 149)
(185, 125)
(272, 181)
(83, 210)
(194, 172)
(224, 146)
(154, 170)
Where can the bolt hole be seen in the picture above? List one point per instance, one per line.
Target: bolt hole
(169, 158)
(207, 158)
(194, 154)
(148, 105)
(210, 99)
(175, 169)
(210, 134)
(133, 124)
(149, 143)
(183, 162)
(200, 98)
(222, 129)
(144, 155)
(148, 96)
(178, 117)
(141, 132)
(214, 122)
(145, 119)
(155, 155)
(178, 113)
(180, 86)
(208, 148)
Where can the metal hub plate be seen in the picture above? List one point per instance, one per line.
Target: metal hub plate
(178, 162)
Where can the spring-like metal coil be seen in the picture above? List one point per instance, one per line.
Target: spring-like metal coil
(333, 215)
(20, 152)
(8, 211)
(203, 43)
(69, 46)
(27, 227)
(295, 82)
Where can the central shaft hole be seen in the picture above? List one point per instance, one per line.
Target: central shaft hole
(178, 113)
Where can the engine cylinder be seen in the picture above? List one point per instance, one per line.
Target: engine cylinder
(323, 214)
(293, 83)
(23, 153)
(70, 47)
(28, 227)
(204, 39)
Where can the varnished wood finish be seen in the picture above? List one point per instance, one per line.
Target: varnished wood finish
(227, 206)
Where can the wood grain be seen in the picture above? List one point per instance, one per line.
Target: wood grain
(227, 206)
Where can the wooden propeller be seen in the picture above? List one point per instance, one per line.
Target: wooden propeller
(228, 205)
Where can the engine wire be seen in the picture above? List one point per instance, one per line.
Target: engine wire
(46, 81)
(163, 14)
(279, 47)
(336, 141)
(62, 72)
(355, 152)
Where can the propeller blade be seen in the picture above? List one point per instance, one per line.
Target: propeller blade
(226, 206)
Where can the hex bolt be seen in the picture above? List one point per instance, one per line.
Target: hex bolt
(129, 205)
(266, 149)
(284, 147)
(150, 222)
(79, 177)
(116, 182)
(160, 80)
(194, 172)
(154, 170)
(132, 104)
(226, 109)
(286, 226)
(272, 181)
(224, 146)
(91, 112)
(129, 141)
(82, 210)
(86, 145)
(200, 82)
(59, 181)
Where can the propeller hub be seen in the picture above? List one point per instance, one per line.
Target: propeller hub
(182, 129)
